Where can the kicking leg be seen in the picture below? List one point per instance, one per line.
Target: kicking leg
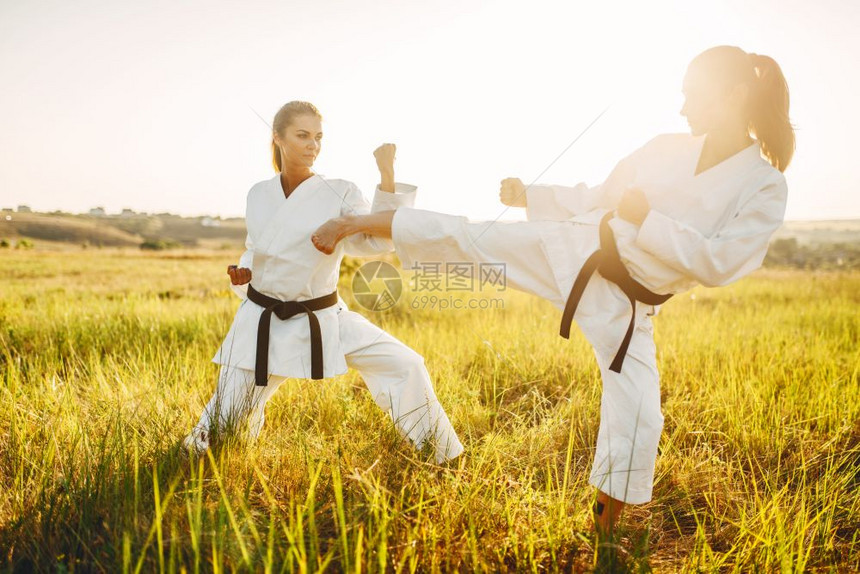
(426, 236)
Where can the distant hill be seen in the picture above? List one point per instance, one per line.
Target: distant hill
(128, 230)
(64, 229)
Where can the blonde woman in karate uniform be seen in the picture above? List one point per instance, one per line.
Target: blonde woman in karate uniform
(291, 323)
(685, 209)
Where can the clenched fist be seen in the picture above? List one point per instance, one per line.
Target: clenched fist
(384, 155)
(239, 275)
(513, 192)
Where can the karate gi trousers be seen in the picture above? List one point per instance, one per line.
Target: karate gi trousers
(394, 374)
(630, 417)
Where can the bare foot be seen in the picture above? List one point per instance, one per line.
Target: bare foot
(329, 234)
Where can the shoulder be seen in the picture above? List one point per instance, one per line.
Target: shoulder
(771, 174)
(342, 188)
(765, 176)
(263, 187)
(776, 177)
(776, 186)
(766, 190)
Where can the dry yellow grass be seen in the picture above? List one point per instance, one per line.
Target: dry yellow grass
(104, 365)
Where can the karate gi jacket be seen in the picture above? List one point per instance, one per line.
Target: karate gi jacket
(285, 265)
(710, 229)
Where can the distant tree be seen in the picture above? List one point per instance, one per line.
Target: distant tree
(139, 225)
(789, 252)
(783, 252)
(159, 245)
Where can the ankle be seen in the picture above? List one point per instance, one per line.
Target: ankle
(346, 226)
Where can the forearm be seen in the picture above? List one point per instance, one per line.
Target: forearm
(384, 155)
(375, 224)
(386, 180)
(712, 261)
(558, 203)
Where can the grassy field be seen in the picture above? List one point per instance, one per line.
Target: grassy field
(104, 366)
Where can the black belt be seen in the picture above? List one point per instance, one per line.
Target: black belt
(607, 262)
(284, 310)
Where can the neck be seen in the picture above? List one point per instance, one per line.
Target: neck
(292, 176)
(296, 173)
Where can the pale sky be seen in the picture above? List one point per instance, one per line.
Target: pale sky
(150, 105)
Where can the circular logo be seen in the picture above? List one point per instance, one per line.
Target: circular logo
(377, 286)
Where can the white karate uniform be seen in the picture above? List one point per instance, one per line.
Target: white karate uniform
(709, 229)
(285, 265)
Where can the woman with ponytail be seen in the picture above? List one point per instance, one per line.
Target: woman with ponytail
(682, 210)
(292, 323)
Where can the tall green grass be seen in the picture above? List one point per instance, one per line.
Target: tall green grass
(104, 366)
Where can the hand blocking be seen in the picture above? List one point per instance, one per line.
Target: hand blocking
(513, 192)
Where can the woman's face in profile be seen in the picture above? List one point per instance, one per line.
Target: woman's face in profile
(301, 141)
(710, 104)
(703, 102)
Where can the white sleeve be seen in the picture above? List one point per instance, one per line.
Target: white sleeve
(559, 203)
(356, 204)
(246, 260)
(735, 250)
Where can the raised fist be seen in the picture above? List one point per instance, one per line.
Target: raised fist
(513, 192)
(384, 155)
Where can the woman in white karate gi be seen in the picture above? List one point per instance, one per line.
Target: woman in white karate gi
(291, 323)
(685, 209)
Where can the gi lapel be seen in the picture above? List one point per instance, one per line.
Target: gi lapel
(286, 205)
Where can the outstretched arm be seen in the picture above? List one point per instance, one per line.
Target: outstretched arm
(547, 202)
(560, 203)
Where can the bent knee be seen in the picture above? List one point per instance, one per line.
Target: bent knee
(407, 361)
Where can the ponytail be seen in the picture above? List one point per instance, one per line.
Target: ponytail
(276, 156)
(769, 121)
(767, 103)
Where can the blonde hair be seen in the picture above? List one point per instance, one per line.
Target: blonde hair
(286, 116)
(768, 97)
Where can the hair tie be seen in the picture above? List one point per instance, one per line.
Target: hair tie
(756, 64)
